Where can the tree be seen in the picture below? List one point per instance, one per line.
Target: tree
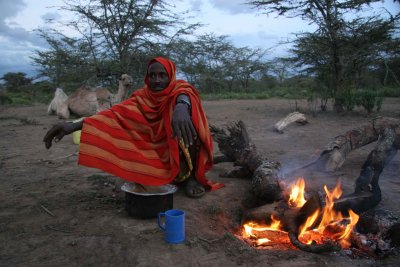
(330, 18)
(215, 63)
(243, 64)
(68, 63)
(119, 35)
(14, 81)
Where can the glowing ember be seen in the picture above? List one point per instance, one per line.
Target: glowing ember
(321, 226)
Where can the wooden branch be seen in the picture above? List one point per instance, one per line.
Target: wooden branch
(335, 153)
(237, 147)
(289, 119)
(313, 248)
(264, 182)
(47, 211)
(262, 215)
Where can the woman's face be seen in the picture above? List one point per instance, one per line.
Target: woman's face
(158, 77)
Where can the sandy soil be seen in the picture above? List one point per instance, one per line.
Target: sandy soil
(55, 213)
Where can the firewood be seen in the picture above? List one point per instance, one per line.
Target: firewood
(313, 247)
(335, 153)
(274, 236)
(236, 146)
(367, 193)
(289, 119)
(312, 205)
(357, 202)
(262, 215)
(264, 183)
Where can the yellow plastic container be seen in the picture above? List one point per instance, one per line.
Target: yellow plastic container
(76, 137)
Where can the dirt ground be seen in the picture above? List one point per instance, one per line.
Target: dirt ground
(56, 213)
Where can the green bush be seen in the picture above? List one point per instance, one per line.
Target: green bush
(20, 98)
(369, 99)
(390, 91)
(235, 95)
(5, 99)
(349, 100)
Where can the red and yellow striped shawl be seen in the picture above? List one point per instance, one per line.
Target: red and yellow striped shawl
(133, 139)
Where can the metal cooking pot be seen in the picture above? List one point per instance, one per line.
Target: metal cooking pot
(148, 204)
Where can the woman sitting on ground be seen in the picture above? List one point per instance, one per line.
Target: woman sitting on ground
(159, 135)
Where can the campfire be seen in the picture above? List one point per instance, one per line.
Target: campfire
(294, 217)
(322, 225)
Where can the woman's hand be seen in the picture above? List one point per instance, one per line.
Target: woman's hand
(182, 126)
(58, 131)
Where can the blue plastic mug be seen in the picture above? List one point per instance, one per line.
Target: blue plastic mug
(174, 225)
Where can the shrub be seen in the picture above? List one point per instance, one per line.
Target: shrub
(5, 99)
(369, 99)
(349, 100)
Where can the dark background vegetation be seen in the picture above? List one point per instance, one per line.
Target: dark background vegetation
(351, 59)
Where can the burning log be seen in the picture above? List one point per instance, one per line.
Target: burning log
(309, 226)
(357, 202)
(289, 220)
(335, 153)
(263, 214)
(313, 247)
(289, 119)
(237, 147)
(367, 192)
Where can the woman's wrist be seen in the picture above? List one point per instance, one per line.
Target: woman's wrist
(76, 126)
(183, 99)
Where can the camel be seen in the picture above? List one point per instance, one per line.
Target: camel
(59, 98)
(87, 101)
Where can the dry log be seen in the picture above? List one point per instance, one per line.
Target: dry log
(335, 153)
(289, 119)
(236, 146)
(264, 183)
(367, 192)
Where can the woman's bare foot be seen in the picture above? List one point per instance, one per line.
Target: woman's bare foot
(194, 189)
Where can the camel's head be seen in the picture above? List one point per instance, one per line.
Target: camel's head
(59, 92)
(126, 80)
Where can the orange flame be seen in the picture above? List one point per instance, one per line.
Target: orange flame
(251, 229)
(333, 225)
(296, 198)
